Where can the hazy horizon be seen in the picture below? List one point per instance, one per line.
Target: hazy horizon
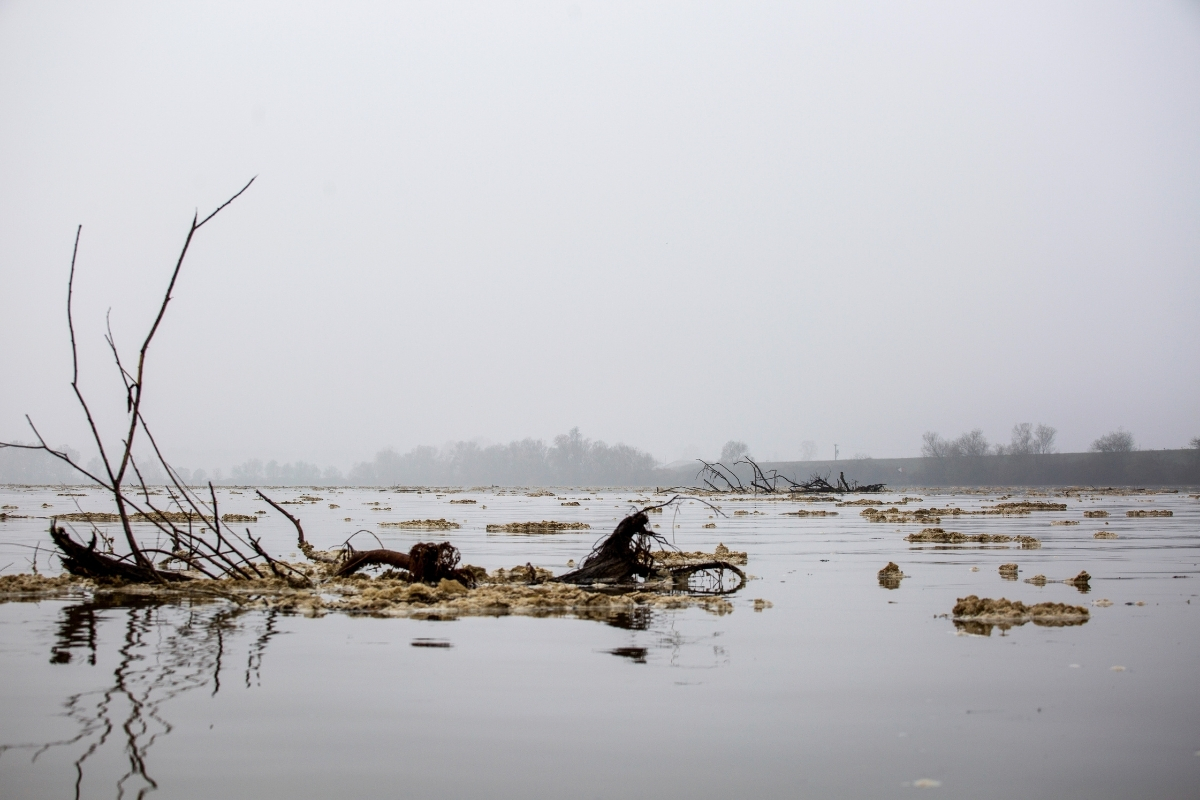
(669, 225)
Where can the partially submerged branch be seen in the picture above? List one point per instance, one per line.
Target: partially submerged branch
(426, 562)
(310, 552)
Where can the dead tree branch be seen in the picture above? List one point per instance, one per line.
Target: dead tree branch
(210, 551)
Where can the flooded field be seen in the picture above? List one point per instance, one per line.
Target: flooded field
(852, 663)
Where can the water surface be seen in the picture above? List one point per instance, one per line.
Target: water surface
(839, 687)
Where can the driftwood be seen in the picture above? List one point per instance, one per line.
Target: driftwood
(619, 557)
(88, 562)
(426, 562)
(302, 544)
(626, 554)
(721, 479)
(819, 485)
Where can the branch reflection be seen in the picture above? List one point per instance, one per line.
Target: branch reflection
(165, 650)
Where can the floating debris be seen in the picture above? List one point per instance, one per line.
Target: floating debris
(1102, 603)
(570, 503)
(528, 575)
(302, 500)
(422, 524)
(890, 576)
(1095, 514)
(463, 502)
(709, 525)
(544, 526)
(942, 536)
(807, 513)
(1027, 506)
(450, 599)
(1037, 580)
(1065, 522)
(238, 518)
(680, 558)
(1150, 513)
(760, 604)
(104, 516)
(1009, 571)
(894, 514)
(26, 585)
(1080, 581)
(1104, 535)
(977, 615)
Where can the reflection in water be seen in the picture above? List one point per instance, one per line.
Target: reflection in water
(679, 651)
(979, 628)
(165, 650)
(636, 620)
(635, 654)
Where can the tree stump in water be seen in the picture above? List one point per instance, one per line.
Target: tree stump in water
(622, 556)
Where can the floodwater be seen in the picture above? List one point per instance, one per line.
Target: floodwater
(839, 687)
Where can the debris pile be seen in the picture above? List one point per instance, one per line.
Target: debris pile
(1080, 581)
(890, 576)
(942, 536)
(680, 558)
(545, 526)
(977, 615)
(924, 516)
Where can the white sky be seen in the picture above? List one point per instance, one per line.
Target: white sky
(671, 224)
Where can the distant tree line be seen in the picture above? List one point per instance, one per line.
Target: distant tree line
(37, 467)
(571, 460)
(1025, 440)
(255, 473)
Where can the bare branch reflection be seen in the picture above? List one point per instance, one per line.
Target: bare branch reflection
(165, 650)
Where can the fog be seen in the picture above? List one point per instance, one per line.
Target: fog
(669, 225)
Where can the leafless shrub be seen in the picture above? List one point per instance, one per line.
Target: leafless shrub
(1118, 441)
(190, 525)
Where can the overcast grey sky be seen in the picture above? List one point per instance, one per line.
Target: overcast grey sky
(671, 224)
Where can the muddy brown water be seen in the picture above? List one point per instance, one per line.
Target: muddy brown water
(841, 687)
